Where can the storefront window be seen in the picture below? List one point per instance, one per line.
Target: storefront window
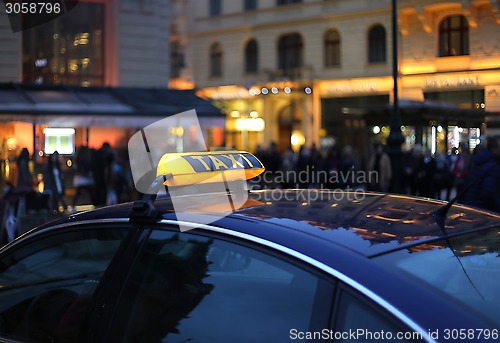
(467, 99)
(68, 50)
(61, 140)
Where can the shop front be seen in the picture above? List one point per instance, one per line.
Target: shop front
(259, 115)
(45, 119)
(438, 111)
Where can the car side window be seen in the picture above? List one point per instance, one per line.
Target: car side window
(189, 288)
(47, 284)
(357, 320)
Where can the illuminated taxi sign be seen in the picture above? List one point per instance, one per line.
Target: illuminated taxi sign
(208, 167)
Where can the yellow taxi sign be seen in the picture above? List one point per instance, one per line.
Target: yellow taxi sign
(206, 167)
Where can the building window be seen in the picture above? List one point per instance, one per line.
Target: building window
(216, 60)
(215, 7)
(290, 52)
(251, 57)
(176, 59)
(376, 44)
(250, 5)
(332, 48)
(454, 36)
(286, 2)
(67, 50)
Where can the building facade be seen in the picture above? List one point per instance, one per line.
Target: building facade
(97, 43)
(320, 71)
(95, 74)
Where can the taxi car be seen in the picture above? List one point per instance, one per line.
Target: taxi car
(285, 265)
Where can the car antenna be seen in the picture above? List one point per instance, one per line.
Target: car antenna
(441, 213)
(440, 216)
(143, 210)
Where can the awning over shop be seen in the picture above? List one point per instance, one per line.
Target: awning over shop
(99, 106)
(421, 113)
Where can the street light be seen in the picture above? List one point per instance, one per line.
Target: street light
(395, 138)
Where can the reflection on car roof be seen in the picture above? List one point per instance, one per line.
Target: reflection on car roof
(383, 222)
(368, 223)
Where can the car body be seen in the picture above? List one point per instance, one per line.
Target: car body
(290, 265)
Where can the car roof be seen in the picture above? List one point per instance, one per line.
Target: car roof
(367, 223)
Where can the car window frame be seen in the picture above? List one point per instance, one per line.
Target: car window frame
(382, 313)
(325, 291)
(327, 270)
(98, 317)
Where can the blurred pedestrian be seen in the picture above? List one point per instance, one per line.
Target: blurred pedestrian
(53, 181)
(24, 177)
(331, 163)
(380, 164)
(303, 159)
(273, 163)
(482, 185)
(82, 180)
(101, 167)
(426, 186)
(288, 168)
(414, 168)
(443, 179)
(459, 168)
(349, 167)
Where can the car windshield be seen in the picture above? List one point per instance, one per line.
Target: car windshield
(466, 267)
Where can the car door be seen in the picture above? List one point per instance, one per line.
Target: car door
(49, 281)
(199, 286)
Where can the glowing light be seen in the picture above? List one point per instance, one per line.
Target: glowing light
(250, 124)
(274, 90)
(265, 90)
(440, 128)
(254, 114)
(288, 90)
(308, 90)
(433, 146)
(456, 136)
(58, 131)
(297, 138)
(235, 114)
(376, 130)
